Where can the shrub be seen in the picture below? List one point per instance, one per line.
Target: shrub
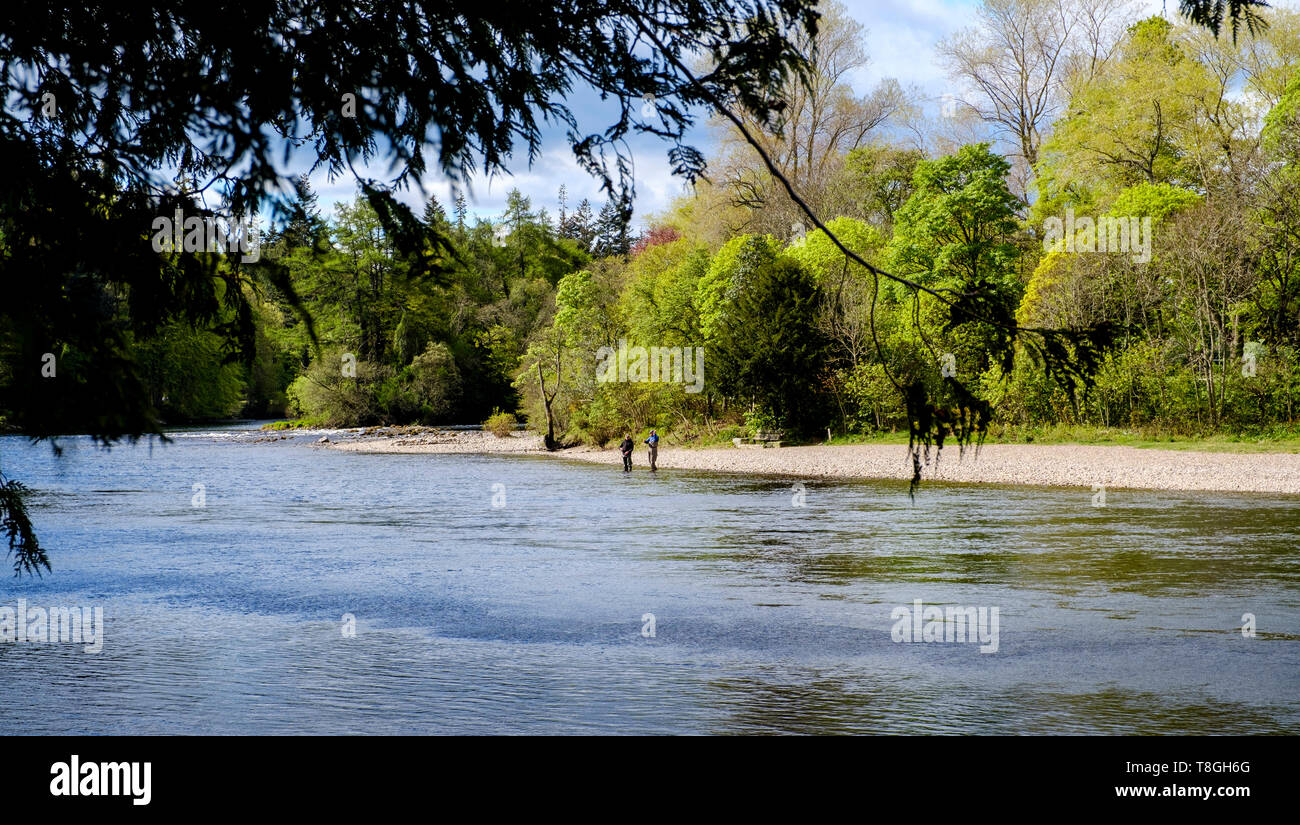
(873, 403)
(425, 391)
(336, 398)
(500, 424)
(435, 381)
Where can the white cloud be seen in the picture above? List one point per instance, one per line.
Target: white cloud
(901, 39)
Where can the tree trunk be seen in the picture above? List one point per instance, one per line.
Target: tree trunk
(546, 399)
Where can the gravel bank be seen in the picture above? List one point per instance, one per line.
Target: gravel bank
(1045, 465)
(430, 440)
(1048, 465)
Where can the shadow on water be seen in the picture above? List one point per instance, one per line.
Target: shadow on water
(816, 704)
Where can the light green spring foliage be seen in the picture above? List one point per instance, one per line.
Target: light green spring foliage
(1055, 271)
(880, 178)
(1281, 134)
(587, 306)
(659, 299)
(1157, 201)
(327, 395)
(822, 259)
(1141, 119)
(711, 294)
(1140, 124)
(1048, 276)
(576, 305)
(500, 424)
(955, 228)
(1274, 58)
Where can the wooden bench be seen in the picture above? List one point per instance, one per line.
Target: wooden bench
(761, 439)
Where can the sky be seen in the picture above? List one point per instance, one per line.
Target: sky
(901, 39)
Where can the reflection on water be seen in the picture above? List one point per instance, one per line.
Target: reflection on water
(528, 618)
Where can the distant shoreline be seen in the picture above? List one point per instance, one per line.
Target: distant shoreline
(432, 440)
(1050, 465)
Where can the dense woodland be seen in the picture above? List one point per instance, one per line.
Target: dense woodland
(1059, 108)
(1119, 117)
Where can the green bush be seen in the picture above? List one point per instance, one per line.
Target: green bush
(760, 419)
(873, 403)
(328, 392)
(500, 424)
(424, 391)
(1144, 384)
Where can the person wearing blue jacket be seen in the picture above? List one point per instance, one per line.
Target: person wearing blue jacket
(653, 442)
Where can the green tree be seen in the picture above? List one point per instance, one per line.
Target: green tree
(1139, 120)
(305, 226)
(880, 178)
(766, 347)
(612, 235)
(956, 228)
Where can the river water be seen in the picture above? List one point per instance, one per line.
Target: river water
(316, 591)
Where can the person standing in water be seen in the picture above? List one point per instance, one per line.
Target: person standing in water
(626, 448)
(653, 442)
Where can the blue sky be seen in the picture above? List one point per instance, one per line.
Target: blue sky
(901, 38)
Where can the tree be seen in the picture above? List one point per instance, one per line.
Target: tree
(461, 209)
(435, 215)
(955, 230)
(435, 381)
(659, 294)
(824, 119)
(716, 285)
(581, 226)
(305, 226)
(1072, 290)
(767, 346)
(654, 236)
(1014, 61)
(1143, 118)
(1269, 58)
(612, 236)
(880, 180)
(372, 275)
(1068, 356)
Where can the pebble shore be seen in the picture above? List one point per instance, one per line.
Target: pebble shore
(1044, 465)
(430, 440)
(1032, 464)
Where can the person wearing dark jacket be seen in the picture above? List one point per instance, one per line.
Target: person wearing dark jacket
(626, 448)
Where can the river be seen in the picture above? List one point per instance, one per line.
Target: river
(306, 590)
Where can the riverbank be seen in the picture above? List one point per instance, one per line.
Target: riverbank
(431, 440)
(1029, 464)
(1033, 464)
